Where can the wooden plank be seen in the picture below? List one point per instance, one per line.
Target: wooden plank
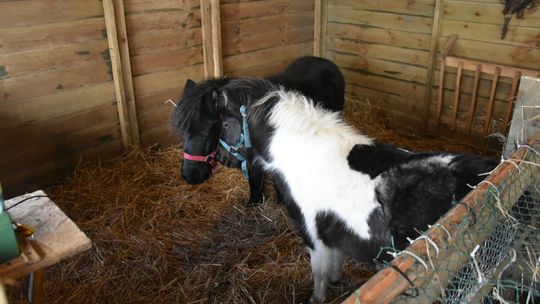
(135, 6)
(319, 28)
(383, 68)
(265, 68)
(380, 36)
(486, 13)
(156, 118)
(157, 100)
(472, 107)
(36, 110)
(511, 101)
(125, 64)
(42, 60)
(16, 40)
(166, 61)
(177, 20)
(263, 8)
(377, 51)
(412, 92)
(216, 38)
(457, 93)
(57, 146)
(392, 21)
(432, 59)
(127, 126)
(50, 82)
(260, 57)
(489, 111)
(148, 84)
(160, 41)
(417, 7)
(440, 93)
(382, 100)
(524, 36)
(32, 12)
(267, 39)
(232, 30)
(160, 135)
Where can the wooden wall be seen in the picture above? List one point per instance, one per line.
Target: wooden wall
(384, 48)
(165, 45)
(57, 100)
(261, 37)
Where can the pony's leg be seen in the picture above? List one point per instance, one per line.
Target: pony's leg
(336, 273)
(321, 267)
(256, 184)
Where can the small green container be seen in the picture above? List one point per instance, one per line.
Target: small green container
(8, 243)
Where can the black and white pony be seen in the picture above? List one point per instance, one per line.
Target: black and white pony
(346, 194)
(197, 119)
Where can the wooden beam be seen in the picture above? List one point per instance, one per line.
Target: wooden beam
(211, 35)
(440, 92)
(472, 107)
(456, 95)
(491, 102)
(126, 70)
(432, 60)
(320, 28)
(511, 101)
(116, 66)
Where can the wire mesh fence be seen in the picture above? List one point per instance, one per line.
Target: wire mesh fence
(485, 250)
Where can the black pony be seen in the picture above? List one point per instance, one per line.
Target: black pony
(346, 194)
(197, 119)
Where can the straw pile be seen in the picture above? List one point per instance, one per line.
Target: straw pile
(157, 239)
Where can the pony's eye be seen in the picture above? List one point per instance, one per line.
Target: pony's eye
(226, 125)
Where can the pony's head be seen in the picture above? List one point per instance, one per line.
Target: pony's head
(239, 92)
(197, 119)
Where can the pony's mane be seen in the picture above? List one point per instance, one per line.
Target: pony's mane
(189, 105)
(294, 112)
(246, 91)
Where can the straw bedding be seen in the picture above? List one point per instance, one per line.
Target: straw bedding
(157, 239)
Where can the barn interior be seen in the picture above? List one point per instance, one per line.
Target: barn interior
(87, 89)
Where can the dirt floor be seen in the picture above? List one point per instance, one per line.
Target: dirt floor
(157, 239)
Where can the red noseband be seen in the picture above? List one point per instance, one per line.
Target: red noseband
(209, 159)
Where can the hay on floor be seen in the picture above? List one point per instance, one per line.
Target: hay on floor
(157, 239)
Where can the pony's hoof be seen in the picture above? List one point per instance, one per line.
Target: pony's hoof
(254, 201)
(315, 300)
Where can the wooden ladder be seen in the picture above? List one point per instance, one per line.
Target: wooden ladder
(478, 67)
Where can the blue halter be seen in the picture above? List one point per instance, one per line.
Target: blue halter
(245, 140)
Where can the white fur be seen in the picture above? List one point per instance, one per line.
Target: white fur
(309, 148)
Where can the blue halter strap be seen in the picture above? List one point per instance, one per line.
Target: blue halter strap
(245, 140)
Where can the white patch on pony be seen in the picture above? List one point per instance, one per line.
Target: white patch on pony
(309, 147)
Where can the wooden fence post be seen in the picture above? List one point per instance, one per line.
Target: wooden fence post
(211, 34)
(121, 69)
(319, 28)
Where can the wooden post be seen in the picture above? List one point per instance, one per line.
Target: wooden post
(211, 34)
(129, 130)
(126, 70)
(474, 97)
(432, 60)
(319, 28)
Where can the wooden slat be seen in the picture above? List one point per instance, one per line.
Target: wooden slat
(264, 8)
(319, 28)
(416, 24)
(391, 69)
(411, 92)
(53, 35)
(178, 20)
(489, 111)
(267, 39)
(417, 7)
(151, 83)
(211, 38)
(32, 12)
(440, 91)
(457, 93)
(64, 102)
(490, 13)
(216, 38)
(474, 97)
(384, 52)
(127, 78)
(116, 63)
(511, 101)
(390, 37)
(166, 61)
(136, 6)
(432, 59)
(160, 41)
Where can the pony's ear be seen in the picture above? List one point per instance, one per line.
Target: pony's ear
(189, 86)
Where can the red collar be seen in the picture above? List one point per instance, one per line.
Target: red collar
(210, 159)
